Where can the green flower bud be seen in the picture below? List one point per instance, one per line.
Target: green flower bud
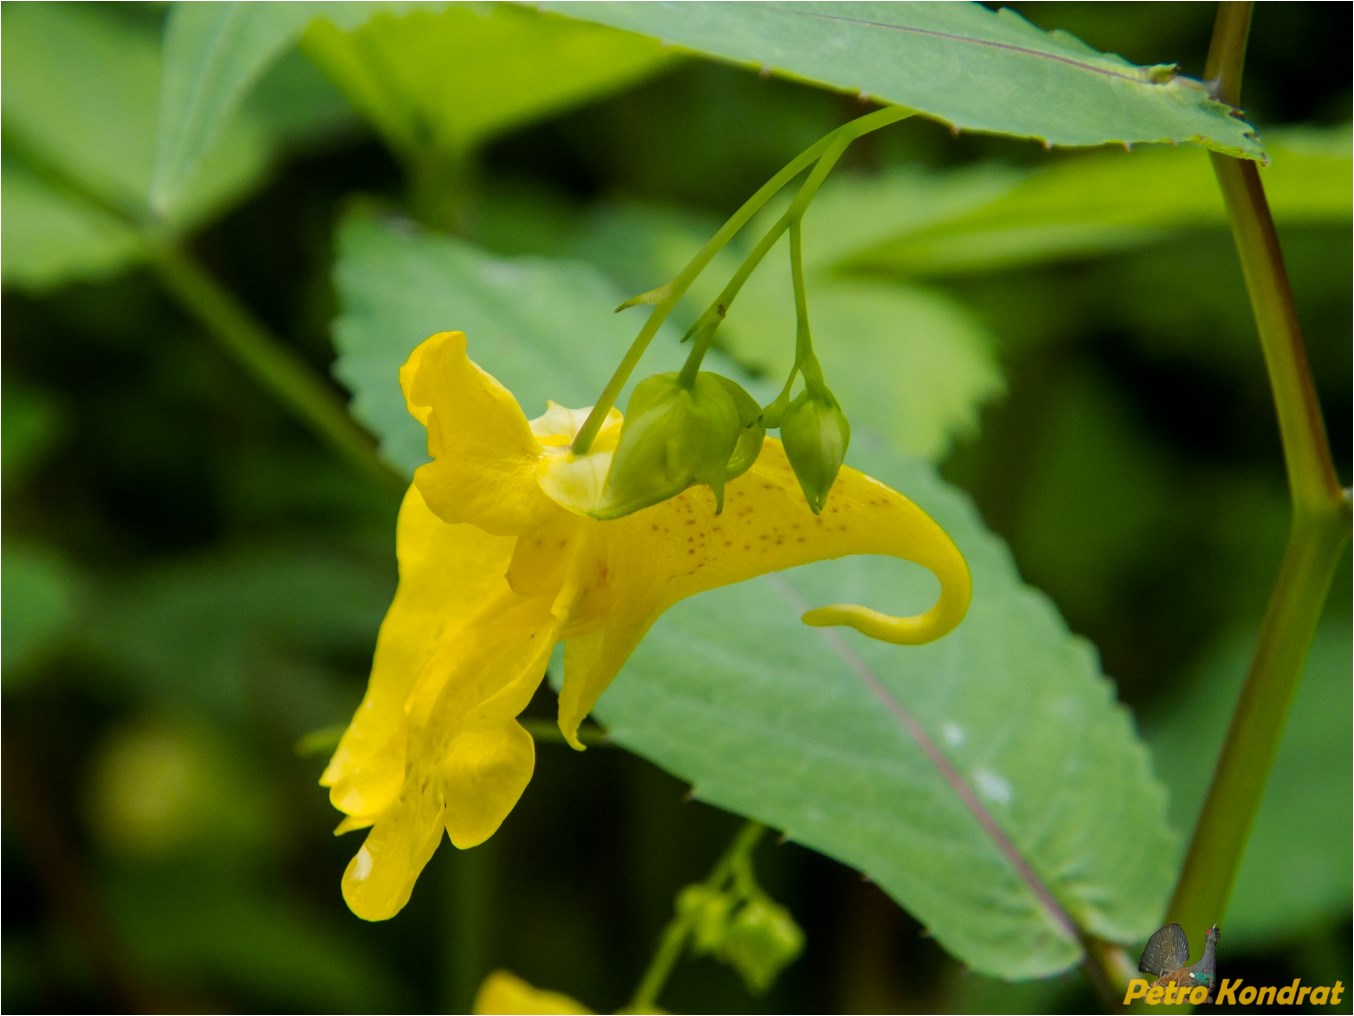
(676, 435)
(708, 912)
(749, 444)
(815, 433)
(761, 941)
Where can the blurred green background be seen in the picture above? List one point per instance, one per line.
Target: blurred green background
(193, 581)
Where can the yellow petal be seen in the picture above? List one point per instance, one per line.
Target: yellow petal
(485, 457)
(464, 724)
(381, 876)
(483, 778)
(468, 760)
(655, 557)
(446, 572)
(506, 993)
(542, 557)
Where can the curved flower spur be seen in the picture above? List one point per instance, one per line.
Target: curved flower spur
(500, 559)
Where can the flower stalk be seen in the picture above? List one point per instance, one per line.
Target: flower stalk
(735, 863)
(826, 151)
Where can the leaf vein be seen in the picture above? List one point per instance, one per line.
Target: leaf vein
(951, 776)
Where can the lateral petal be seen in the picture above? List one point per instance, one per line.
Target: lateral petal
(467, 759)
(485, 457)
(446, 573)
(381, 876)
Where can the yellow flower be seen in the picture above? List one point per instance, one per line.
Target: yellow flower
(507, 993)
(499, 562)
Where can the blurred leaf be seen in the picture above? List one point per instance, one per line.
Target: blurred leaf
(322, 741)
(968, 811)
(1296, 868)
(79, 89)
(1097, 497)
(961, 64)
(195, 928)
(80, 93)
(711, 134)
(974, 993)
(40, 593)
(544, 327)
(933, 769)
(1187, 299)
(229, 634)
(299, 107)
(30, 422)
(448, 80)
(213, 54)
(51, 237)
(987, 217)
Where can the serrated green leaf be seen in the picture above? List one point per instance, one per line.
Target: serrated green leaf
(1295, 871)
(212, 632)
(962, 64)
(213, 54)
(988, 782)
(544, 327)
(220, 924)
(445, 81)
(31, 421)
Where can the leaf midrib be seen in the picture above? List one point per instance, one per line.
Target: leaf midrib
(1134, 78)
(948, 773)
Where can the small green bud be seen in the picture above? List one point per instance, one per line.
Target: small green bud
(761, 941)
(676, 435)
(815, 433)
(708, 912)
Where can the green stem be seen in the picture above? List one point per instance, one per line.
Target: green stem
(1311, 475)
(244, 339)
(266, 359)
(471, 924)
(1238, 785)
(707, 323)
(806, 362)
(682, 281)
(1227, 50)
(1319, 529)
(672, 943)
